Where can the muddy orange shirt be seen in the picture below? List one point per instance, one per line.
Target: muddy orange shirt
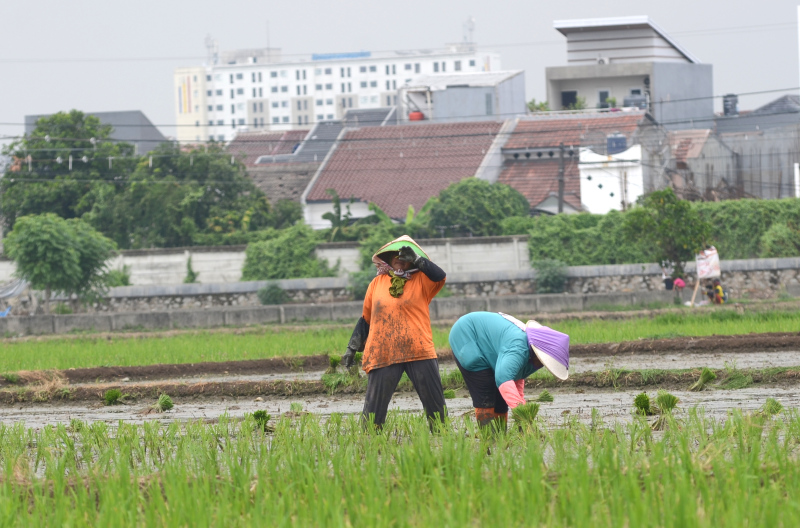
(399, 329)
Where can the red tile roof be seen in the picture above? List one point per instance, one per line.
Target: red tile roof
(538, 179)
(251, 145)
(404, 165)
(572, 129)
(686, 144)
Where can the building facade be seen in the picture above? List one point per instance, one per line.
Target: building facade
(257, 89)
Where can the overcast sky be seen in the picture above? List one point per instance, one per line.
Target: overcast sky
(104, 55)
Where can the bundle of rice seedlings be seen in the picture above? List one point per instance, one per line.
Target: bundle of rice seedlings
(112, 396)
(771, 407)
(261, 418)
(334, 361)
(641, 405)
(163, 404)
(666, 403)
(449, 394)
(545, 397)
(706, 377)
(525, 413)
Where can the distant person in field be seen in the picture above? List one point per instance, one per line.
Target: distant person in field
(394, 330)
(496, 352)
(719, 296)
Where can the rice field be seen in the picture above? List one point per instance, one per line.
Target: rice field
(738, 471)
(267, 342)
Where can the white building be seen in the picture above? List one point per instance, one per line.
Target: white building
(610, 181)
(257, 89)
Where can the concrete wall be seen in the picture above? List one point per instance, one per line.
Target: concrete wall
(681, 96)
(445, 309)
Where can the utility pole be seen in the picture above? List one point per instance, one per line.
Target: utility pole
(561, 178)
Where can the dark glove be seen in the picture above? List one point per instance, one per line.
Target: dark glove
(348, 358)
(407, 255)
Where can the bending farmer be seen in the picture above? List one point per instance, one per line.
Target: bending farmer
(395, 329)
(496, 352)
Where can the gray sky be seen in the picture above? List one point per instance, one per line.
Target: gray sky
(87, 54)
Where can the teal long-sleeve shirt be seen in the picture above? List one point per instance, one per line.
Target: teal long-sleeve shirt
(486, 340)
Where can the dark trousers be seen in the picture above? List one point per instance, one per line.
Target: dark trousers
(483, 389)
(382, 382)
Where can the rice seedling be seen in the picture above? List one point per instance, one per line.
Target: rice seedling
(525, 413)
(112, 397)
(449, 394)
(706, 377)
(262, 418)
(641, 405)
(545, 397)
(666, 404)
(771, 407)
(334, 361)
(735, 378)
(163, 404)
(296, 407)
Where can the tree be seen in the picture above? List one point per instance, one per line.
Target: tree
(290, 255)
(59, 256)
(475, 207)
(670, 229)
(542, 106)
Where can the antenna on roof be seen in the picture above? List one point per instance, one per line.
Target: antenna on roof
(469, 29)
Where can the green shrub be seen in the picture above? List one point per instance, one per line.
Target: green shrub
(780, 240)
(62, 309)
(272, 293)
(191, 275)
(288, 256)
(551, 276)
(116, 278)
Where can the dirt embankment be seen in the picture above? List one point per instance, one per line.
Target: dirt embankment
(733, 343)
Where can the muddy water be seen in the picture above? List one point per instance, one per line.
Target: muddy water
(611, 405)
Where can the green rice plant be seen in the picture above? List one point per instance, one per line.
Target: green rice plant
(334, 361)
(771, 407)
(112, 397)
(449, 394)
(453, 380)
(296, 407)
(735, 378)
(262, 418)
(525, 413)
(706, 377)
(666, 404)
(163, 404)
(545, 397)
(641, 405)
(11, 377)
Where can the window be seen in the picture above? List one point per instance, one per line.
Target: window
(373, 84)
(388, 85)
(241, 121)
(373, 69)
(305, 90)
(435, 66)
(330, 116)
(349, 87)
(297, 75)
(298, 89)
(233, 109)
(602, 98)
(259, 80)
(208, 78)
(388, 100)
(253, 77)
(320, 102)
(255, 107)
(232, 93)
(239, 76)
(636, 91)
(219, 92)
(285, 119)
(209, 93)
(284, 89)
(284, 104)
(457, 65)
(261, 92)
(261, 107)
(472, 63)
(318, 71)
(221, 137)
(387, 69)
(262, 121)
(489, 104)
(328, 101)
(220, 122)
(299, 105)
(304, 75)
(320, 117)
(273, 74)
(416, 67)
(341, 71)
(329, 86)
(275, 104)
(210, 123)
(276, 119)
(231, 78)
(394, 85)
(408, 67)
(568, 99)
(394, 69)
(363, 99)
(373, 99)
(254, 93)
(362, 69)
(274, 89)
(343, 87)
(318, 87)
(348, 71)
(305, 104)
(363, 84)
(240, 91)
(444, 66)
(210, 108)
(219, 108)
(328, 71)
(284, 73)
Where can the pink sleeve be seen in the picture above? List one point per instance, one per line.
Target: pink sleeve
(511, 394)
(520, 387)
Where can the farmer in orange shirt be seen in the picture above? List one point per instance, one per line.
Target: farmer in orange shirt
(395, 330)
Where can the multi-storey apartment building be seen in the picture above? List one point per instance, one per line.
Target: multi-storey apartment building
(257, 89)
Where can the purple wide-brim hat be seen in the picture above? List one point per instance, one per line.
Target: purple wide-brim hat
(551, 347)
